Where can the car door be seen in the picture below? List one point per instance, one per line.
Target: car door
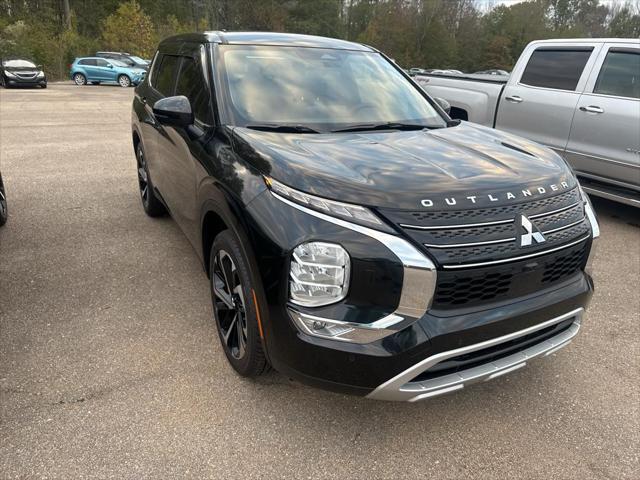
(540, 98)
(182, 147)
(605, 135)
(89, 67)
(161, 84)
(104, 71)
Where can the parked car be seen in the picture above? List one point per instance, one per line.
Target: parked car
(436, 71)
(18, 72)
(356, 237)
(4, 212)
(126, 58)
(100, 70)
(580, 97)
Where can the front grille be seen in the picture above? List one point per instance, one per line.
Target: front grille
(495, 283)
(479, 252)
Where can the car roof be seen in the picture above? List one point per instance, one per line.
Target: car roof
(589, 40)
(267, 38)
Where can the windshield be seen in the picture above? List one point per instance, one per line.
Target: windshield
(19, 64)
(120, 63)
(322, 88)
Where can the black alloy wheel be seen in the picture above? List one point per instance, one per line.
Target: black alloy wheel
(235, 306)
(150, 202)
(230, 306)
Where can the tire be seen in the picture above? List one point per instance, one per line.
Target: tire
(43, 86)
(79, 79)
(4, 212)
(124, 81)
(150, 202)
(234, 309)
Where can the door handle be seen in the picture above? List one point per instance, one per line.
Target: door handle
(592, 109)
(513, 99)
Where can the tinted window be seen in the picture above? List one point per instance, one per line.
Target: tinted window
(164, 77)
(88, 61)
(560, 69)
(191, 85)
(101, 63)
(620, 75)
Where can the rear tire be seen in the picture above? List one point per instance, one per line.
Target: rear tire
(124, 81)
(150, 202)
(234, 309)
(79, 79)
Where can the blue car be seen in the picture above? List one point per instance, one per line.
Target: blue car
(98, 70)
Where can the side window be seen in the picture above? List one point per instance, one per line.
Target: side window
(191, 85)
(88, 62)
(164, 76)
(101, 63)
(559, 69)
(620, 74)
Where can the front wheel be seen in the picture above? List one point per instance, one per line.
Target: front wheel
(150, 202)
(124, 81)
(234, 306)
(80, 79)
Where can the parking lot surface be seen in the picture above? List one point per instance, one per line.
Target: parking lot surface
(110, 365)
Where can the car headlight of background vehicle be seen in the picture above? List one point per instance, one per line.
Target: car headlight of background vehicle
(9, 74)
(40, 74)
(319, 274)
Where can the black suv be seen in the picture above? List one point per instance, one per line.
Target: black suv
(356, 237)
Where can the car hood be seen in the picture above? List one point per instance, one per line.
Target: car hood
(439, 168)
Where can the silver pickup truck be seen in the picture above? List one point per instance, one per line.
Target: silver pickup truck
(580, 97)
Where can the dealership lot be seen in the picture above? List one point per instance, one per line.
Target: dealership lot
(110, 363)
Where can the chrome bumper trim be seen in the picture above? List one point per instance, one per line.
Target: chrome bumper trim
(401, 388)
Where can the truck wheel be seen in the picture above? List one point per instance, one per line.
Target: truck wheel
(124, 81)
(234, 308)
(80, 79)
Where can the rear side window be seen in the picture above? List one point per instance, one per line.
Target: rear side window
(165, 75)
(101, 63)
(559, 69)
(87, 61)
(620, 75)
(191, 85)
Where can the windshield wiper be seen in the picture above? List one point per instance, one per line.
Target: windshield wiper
(383, 126)
(283, 128)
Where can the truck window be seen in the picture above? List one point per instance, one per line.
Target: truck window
(620, 74)
(560, 69)
(164, 77)
(191, 85)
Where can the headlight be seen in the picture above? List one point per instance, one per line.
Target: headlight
(319, 274)
(9, 74)
(40, 74)
(346, 211)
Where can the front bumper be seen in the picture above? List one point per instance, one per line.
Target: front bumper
(22, 82)
(403, 387)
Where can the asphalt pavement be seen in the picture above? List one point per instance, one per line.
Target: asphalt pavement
(110, 365)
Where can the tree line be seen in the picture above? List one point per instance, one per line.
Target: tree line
(467, 35)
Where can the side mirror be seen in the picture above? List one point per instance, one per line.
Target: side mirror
(446, 106)
(174, 111)
(109, 65)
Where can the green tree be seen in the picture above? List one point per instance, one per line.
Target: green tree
(129, 29)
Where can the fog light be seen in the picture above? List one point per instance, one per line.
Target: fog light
(319, 274)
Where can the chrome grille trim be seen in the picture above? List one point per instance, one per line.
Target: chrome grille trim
(564, 227)
(515, 259)
(472, 244)
(546, 214)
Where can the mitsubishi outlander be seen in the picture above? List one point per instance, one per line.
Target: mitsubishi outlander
(355, 237)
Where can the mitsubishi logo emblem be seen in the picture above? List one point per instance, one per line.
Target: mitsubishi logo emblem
(531, 233)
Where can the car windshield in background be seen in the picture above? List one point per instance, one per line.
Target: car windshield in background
(319, 88)
(120, 63)
(18, 64)
(138, 60)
